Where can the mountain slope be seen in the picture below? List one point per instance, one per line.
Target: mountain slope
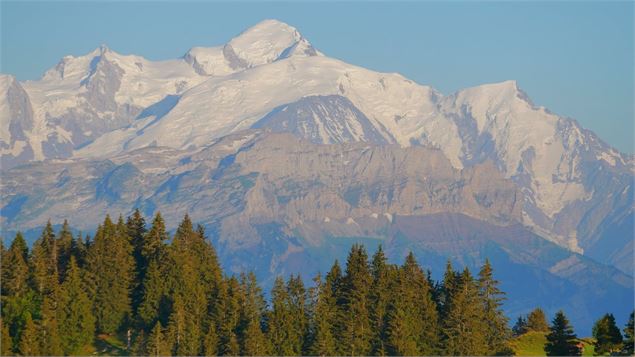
(277, 204)
(575, 190)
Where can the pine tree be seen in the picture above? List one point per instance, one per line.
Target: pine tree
(357, 334)
(187, 252)
(64, 246)
(253, 340)
(155, 344)
(412, 318)
(379, 300)
(48, 331)
(44, 261)
(497, 333)
(520, 327)
(447, 289)
(323, 316)
(464, 330)
(154, 241)
(228, 317)
(15, 279)
(154, 301)
(402, 326)
(77, 323)
(280, 321)
(29, 344)
(111, 265)
(136, 232)
(45, 279)
(561, 340)
(608, 338)
(420, 292)
(628, 336)
(297, 308)
(210, 341)
(6, 344)
(537, 321)
(335, 281)
(79, 250)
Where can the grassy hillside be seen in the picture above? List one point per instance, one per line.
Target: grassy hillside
(532, 344)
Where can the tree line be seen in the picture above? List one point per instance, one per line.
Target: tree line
(169, 296)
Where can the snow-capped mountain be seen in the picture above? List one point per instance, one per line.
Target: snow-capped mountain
(575, 190)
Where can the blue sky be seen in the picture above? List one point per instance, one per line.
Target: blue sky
(575, 58)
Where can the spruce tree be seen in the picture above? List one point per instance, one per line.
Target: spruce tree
(228, 317)
(608, 338)
(402, 330)
(45, 279)
(561, 340)
(420, 291)
(136, 232)
(297, 309)
(111, 265)
(155, 344)
(379, 299)
(520, 327)
(356, 334)
(44, 261)
(77, 323)
(280, 321)
(464, 329)
(628, 336)
(447, 289)
(154, 301)
(324, 310)
(15, 279)
(64, 249)
(6, 344)
(253, 341)
(334, 280)
(497, 333)
(537, 321)
(29, 344)
(210, 341)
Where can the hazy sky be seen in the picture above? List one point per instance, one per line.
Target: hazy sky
(575, 58)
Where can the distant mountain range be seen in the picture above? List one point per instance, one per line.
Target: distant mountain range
(288, 156)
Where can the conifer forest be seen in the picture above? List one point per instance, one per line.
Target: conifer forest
(160, 294)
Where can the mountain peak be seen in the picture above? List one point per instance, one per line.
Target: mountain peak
(266, 42)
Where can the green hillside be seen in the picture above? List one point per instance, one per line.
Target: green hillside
(532, 344)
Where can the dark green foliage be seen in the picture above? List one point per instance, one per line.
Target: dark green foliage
(561, 340)
(6, 344)
(29, 344)
(464, 326)
(76, 323)
(497, 332)
(608, 338)
(356, 334)
(537, 321)
(173, 298)
(136, 232)
(64, 249)
(323, 317)
(280, 321)
(111, 266)
(253, 310)
(383, 276)
(628, 337)
(520, 327)
(155, 344)
(15, 280)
